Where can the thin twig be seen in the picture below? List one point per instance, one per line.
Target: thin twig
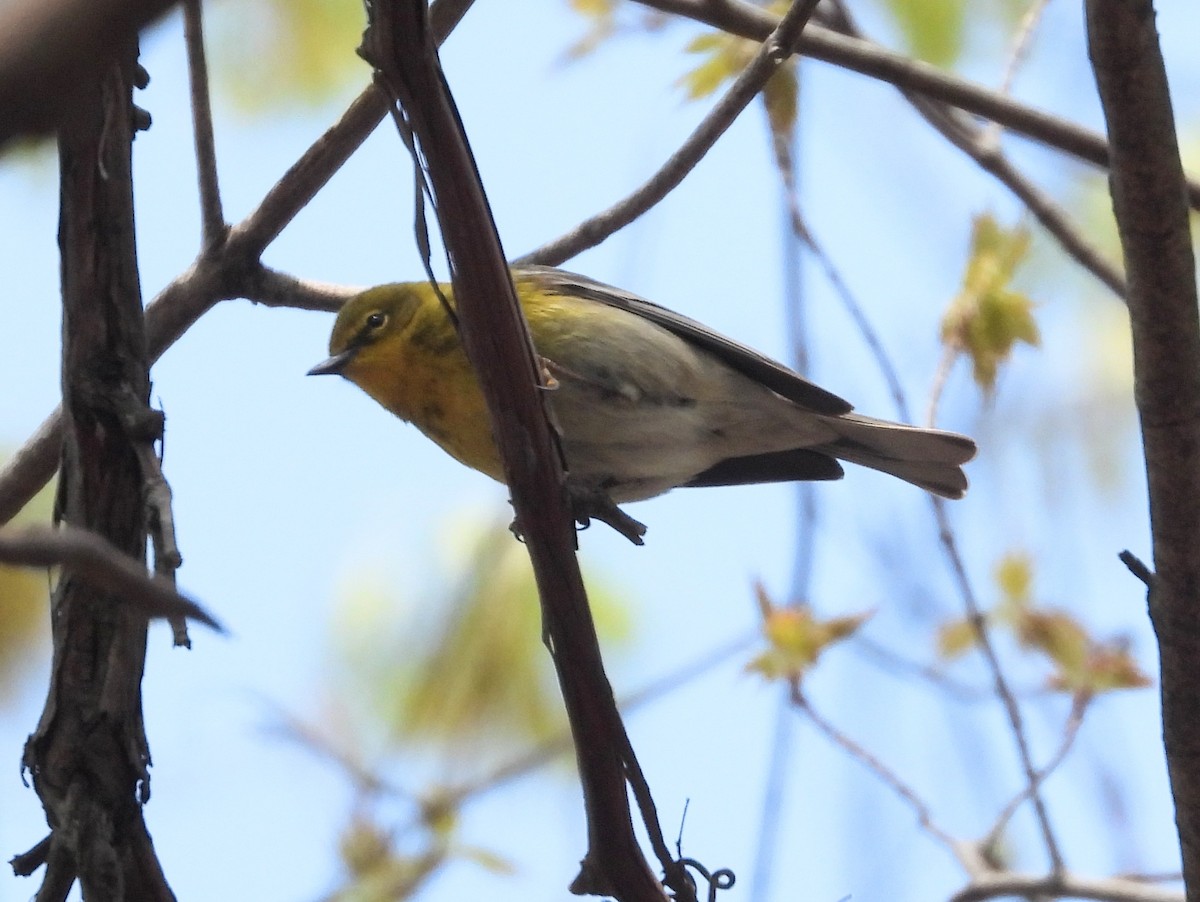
(1079, 705)
(885, 774)
(1022, 43)
(941, 377)
(272, 288)
(212, 216)
(1002, 689)
(1137, 567)
(851, 305)
(774, 796)
(902, 668)
(777, 47)
(156, 495)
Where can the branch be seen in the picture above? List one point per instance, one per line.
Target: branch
(1000, 685)
(89, 757)
(885, 774)
(777, 47)
(97, 562)
(983, 146)
(229, 269)
(1079, 704)
(497, 343)
(867, 58)
(213, 218)
(1149, 201)
(1056, 886)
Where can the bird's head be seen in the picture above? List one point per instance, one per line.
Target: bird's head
(371, 329)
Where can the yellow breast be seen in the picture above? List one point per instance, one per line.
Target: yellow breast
(422, 376)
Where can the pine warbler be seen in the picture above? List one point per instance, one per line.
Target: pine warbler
(645, 400)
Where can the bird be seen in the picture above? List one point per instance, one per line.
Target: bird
(644, 399)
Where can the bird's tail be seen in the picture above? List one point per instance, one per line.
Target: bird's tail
(929, 458)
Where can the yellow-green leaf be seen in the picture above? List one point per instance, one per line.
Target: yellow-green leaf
(603, 19)
(1056, 634)
(1107, 668)
(1014, 576)
(490, 861)
(24, 607)
(988, 318)
(932, 29)
(463, 669)
(796, 638)
(594, 9)
(283, 52)
(364, 846)
(956, 638)
(780, 95)
(724, 56)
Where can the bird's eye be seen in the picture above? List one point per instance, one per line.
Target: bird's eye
(376, 320)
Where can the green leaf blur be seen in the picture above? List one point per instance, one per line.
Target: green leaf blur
(468, 663)
(282, 53)
(24, 608)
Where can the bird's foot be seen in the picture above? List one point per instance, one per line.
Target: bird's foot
(588, 503)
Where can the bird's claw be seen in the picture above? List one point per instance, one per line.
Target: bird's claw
(588, 503)
(592, 503)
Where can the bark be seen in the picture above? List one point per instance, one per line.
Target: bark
(89, 756)
(1150, 203)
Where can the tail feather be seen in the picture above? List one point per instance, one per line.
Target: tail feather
(928, 458)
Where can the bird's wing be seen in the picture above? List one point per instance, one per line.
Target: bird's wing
(746, 361)
(776, 466)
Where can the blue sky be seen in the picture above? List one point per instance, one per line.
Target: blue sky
(288, 490)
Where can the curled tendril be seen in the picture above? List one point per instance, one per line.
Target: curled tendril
(717, 880)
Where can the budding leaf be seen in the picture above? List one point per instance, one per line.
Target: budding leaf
(988, 317)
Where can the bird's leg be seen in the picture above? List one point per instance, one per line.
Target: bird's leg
(588, 502)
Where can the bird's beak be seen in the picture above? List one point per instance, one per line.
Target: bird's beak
(334, 365)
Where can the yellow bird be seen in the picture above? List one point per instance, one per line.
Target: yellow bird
(645, 400)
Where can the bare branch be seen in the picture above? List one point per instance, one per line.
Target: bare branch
(776, 49)
(1022, 43)
(272, 288)
(30, 467)
(99, 563)
(1079, 705)
(983, 146)
(1006, 884)
(889, 777)
(1001, 687)
(213, 218)
(229, 269)
(867, 58)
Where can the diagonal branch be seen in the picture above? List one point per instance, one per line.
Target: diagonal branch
(497, 343)
(718, 120)
(867, 58)
(97, 562)
(983, 146)
(228, 269)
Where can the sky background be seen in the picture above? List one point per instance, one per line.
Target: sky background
(293, 494)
